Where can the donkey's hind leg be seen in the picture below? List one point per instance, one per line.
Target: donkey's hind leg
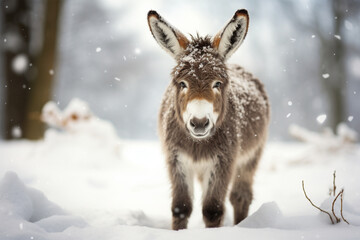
(241, 193)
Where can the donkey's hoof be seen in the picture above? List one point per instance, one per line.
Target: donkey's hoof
(179, 223)
(213, 217)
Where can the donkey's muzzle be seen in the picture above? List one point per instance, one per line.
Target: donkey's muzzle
(200, 127)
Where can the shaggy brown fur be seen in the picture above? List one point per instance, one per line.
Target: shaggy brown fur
(231, 154)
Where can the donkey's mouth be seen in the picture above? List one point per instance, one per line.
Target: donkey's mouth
(200, 135)
(202, 132)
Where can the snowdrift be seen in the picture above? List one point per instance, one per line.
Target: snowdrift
(26, 213)
(102, 187)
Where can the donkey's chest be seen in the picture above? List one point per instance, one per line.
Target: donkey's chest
(197, 167)
(220, 143)
(199, 152)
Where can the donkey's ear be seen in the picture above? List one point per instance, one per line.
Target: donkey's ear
(232, 35)
(168, 37)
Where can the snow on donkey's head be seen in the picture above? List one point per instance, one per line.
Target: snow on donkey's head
(200, 74)
(213, 121)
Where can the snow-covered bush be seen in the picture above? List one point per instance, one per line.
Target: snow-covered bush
(325, 145)
(326, 140)
(76, 124)
(77, 118)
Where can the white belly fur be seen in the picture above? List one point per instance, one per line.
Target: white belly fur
(201, 168)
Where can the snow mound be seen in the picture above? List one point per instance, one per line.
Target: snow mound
(26, 203)
(25, 211)
(59, 223)
(270, 216)
(13, 197)
(349, 212)
(266, 216)
(139, 218)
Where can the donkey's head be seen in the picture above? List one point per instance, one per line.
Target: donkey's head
(200, 75)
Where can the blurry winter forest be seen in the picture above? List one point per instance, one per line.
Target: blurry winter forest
(307, 53)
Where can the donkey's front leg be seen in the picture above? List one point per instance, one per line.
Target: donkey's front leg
(216, 183)
(181, 176)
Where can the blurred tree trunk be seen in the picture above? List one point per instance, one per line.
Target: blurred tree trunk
(15, 47)
(333, 60)
(339, 70)
(41, 88)
(332, 52)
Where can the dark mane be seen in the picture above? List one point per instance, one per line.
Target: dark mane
(201, 42)
(200, 61)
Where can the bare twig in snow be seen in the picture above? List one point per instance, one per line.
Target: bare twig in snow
(334, 186)
(341, 210)
(333, 204)
(332, 221)
(333, 190)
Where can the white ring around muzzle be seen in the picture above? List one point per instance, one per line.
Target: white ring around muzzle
(200, 109)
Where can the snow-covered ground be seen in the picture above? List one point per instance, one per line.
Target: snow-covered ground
(85, 183)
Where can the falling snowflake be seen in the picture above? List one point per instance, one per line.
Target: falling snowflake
(326, 75)
(137, 51)
(16, 132)
(321, 118)
(20, 63)
(348, 25)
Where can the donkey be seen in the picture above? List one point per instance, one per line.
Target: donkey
(213, 121)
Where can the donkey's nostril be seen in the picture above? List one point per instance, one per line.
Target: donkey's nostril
(207, 123)
(199, 124)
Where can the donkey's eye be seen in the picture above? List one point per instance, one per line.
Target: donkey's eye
(217, 85)
(183, 85)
